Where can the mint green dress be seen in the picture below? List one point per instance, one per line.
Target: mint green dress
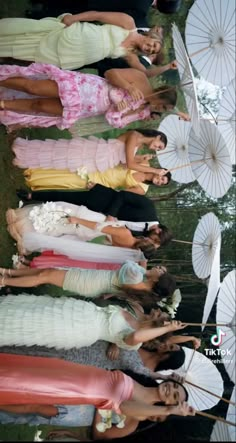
(92, 283)
(49, 41)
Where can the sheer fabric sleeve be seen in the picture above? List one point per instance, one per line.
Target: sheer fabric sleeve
(131, 273)
(121, 343)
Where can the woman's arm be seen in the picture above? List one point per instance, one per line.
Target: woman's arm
(111, 18)
(129, 79)
(131, 163)
(114, 432)
(135, 408)
(44, 410)
(118, 231)
(154, 71)
(183, 339)
(134, 62)
(142, 335)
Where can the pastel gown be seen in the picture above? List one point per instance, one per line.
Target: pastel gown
(60, 322)
(75, 242)
(82, 96)
(38, 380)
(50, 41)
(117, 177)
(92, 283)
(93, 154)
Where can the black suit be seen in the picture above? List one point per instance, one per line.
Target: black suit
(121, 204)
(136, 8)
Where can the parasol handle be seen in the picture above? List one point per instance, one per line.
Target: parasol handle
(209, 324)
(189, 242)
(199, 51)
(188, 164)
(173, 88)
(211, 393)
(213, 417)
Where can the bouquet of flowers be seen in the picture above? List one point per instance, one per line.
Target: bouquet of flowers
(108, 417)
(46, 216)
(171, 304)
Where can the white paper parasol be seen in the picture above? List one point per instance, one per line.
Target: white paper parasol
(176, 152)
(205, 241)
(210, 39)
(187, 82)
(214, 283)
(226, 119)
(210, 160)
(223, 432)
(226, 314)
(200, 371)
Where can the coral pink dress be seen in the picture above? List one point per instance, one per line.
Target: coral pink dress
(51, 381)
(95, 154)
(81, 95)
(48, 259)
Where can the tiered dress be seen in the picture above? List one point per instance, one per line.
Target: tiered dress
(62, 322)
(81, 95)
(93, 154)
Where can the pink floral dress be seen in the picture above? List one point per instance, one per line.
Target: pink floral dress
(81, 95)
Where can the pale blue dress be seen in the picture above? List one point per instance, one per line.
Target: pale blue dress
(92, 283)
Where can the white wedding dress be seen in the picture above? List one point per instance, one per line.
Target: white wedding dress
(41, 232)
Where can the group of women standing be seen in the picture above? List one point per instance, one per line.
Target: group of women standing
(56, 352)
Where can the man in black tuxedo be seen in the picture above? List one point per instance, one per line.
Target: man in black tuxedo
(138, 9)
(124, 205)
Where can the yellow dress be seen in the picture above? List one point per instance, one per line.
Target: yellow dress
(43, 179)
(49, 41)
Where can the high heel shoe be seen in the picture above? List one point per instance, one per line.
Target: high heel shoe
(22, 194)
(2, 282)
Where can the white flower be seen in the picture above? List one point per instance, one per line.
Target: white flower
(101, 427)
(176, 298)
(21, 203)
(15, 260)
(171, 311)
(106, 422)
(46, 216)
(82, 172)
(37, 436)
(161, 304)
(121, 423)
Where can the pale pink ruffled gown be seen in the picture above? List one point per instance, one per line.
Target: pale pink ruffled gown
(81, 95)
(95, 154)
(52, 381)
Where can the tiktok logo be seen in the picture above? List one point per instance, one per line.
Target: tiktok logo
(217, 338)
